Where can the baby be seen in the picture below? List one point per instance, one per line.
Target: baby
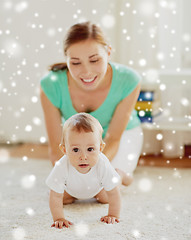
(84, 171)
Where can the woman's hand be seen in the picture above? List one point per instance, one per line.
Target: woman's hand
(109, 219)
(62, 222)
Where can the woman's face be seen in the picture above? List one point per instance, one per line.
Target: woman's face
(87, 62)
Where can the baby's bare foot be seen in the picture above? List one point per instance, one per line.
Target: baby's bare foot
(126, 178)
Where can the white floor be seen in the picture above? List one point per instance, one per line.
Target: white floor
(157, 206)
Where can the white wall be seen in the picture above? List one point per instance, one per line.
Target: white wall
(159, 33)
(31, 35)
(174, 123)
(31, 39)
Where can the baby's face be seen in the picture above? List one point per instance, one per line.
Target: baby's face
(82, 149)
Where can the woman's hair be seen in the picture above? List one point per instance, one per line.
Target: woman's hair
(82, 122)
(77, 33)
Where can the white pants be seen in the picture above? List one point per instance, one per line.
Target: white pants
(129, 150)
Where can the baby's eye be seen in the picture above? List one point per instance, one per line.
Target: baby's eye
(75, 149)
(90, 149)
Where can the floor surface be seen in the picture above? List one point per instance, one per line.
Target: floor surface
(157, 206)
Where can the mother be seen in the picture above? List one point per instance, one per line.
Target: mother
(89, 82)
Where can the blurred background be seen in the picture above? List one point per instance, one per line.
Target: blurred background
(153, 37)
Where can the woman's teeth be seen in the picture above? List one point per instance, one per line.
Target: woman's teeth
(88, 79)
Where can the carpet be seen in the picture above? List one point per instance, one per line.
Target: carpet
(157, 206)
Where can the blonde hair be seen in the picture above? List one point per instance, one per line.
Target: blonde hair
(77, 33)
(82, 122)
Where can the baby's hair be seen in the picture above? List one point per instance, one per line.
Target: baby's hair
(82, 122)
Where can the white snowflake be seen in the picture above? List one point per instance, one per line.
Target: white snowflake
(162, 87)
(81, 229)
(19, 233)
(147, 8)
(51, 32)
(145, 184)
(21, 6)
(30, 211)
(12, 48)
(28, 128)
(28, 181)
(108, 21)
(131, 156)
(25, 158)
(42, 140)
(185, 102)
(142, 62)
(115, 180)
(136, 233)
(159, 136)
(37, 121)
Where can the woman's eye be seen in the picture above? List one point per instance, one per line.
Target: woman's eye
(90, 149)
(94, 61)
(75, 150)
(75, 63)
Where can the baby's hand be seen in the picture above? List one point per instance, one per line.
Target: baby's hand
(109, 219)
(62, 222)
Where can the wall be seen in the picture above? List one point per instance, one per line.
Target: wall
(174, 123)
(146, 35)
(31, 39)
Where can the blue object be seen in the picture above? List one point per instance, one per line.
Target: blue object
(146, 119)
(146, 96)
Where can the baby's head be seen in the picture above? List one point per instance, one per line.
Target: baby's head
(82, 141)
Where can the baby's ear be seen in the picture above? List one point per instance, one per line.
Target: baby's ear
(102, 145)
(62, 148)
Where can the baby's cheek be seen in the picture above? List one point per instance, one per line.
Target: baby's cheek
(95, 158)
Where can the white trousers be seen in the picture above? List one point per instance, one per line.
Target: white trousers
(129, 150)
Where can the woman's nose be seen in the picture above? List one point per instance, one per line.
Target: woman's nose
(86, 71)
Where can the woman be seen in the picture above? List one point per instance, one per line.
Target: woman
(89, 82)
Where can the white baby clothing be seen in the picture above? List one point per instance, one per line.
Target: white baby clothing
(64, 177)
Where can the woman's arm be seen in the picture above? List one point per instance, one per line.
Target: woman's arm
(119, 122)
(53, 126)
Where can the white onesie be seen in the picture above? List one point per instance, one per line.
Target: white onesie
(64, 177)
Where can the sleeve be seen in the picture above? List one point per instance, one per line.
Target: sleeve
(109, 178)
(57, 178)
(131, 79)
(51, 87)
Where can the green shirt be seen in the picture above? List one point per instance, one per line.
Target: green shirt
(124, 81)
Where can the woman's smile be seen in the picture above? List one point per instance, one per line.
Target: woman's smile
(88, 80)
